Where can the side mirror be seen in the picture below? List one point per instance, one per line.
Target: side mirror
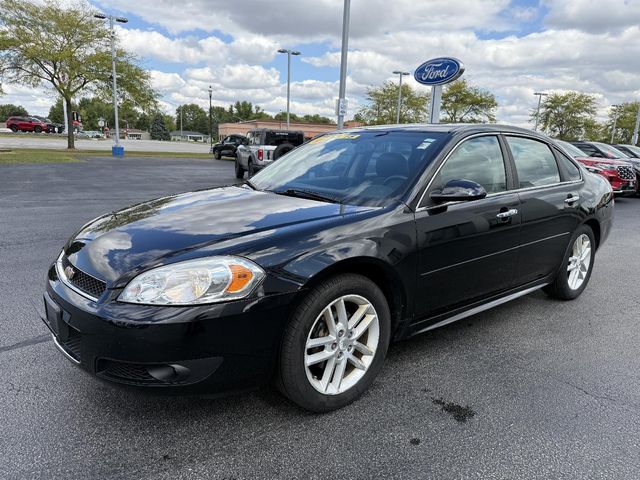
(459, 191)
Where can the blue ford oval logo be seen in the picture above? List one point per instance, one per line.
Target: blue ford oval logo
(439, 71)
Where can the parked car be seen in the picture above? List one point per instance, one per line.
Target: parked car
(51, 126)
(262, 147)
(227, 146)
(630, 151)
(26, 124)
(621, 174)
(599, 150)
(90, 134)
(307, 272)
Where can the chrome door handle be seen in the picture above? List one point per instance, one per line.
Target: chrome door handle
(572, 199)
(508, 214)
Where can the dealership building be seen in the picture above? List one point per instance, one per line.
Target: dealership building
(310, 129)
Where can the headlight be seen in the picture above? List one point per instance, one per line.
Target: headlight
(207, 280)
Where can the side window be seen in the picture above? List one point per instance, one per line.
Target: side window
(478, 159)
(590, 150)
(535, 163)
(571, 169)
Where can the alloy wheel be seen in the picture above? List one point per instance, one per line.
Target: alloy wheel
(341, 344)
(579, 262)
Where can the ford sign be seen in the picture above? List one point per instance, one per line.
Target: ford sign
(439, 71)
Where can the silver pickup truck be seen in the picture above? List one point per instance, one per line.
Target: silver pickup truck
(263, 146)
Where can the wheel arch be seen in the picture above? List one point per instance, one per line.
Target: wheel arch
(594, 225)
(380, 273)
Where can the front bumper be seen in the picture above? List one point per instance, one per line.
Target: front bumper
(207, 348)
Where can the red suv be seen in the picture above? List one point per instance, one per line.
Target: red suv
(26, 124)
(620, 174)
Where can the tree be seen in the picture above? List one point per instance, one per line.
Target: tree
(383, 103)
(56, 112)
(463, 103)
(68, 50)
(625, 122)
(194, 118)
(10, 110)
(159, 129)
(568, 116)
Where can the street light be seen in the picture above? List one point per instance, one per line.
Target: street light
(540, 95)
(615, 121)
(343, 64)
(401, 74)
(210, 120)
(289, 53)
(113, 19)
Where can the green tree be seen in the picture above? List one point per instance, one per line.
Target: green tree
(463, 103)
(568, 116)
(626, 114)
(159, 129)
(169, 122)
(68, 50)
(194, 118)
(10, 110)
(383, 103)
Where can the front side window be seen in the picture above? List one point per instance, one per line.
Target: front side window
(368, 167)
(535, 163)
(479, 160)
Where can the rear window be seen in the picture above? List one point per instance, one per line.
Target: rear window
(274, 137)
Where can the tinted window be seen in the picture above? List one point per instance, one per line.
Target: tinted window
(535, 162)
(478, 159)
(589, 150)
(278, 137)
(369, 167)
(571, 169)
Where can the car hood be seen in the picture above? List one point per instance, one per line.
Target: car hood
(607, 161)
(151, 233)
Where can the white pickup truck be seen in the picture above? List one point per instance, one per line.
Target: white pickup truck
(263, 146)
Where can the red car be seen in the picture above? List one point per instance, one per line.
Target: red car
(621, 174)
(26, 124)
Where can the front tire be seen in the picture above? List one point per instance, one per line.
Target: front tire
(335, 343)
(577, 265)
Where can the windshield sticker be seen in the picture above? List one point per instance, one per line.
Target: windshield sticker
(425, 143)
(335, 136)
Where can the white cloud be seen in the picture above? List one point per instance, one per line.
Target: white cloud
(593, 15)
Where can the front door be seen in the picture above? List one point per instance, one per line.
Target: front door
(468, 250)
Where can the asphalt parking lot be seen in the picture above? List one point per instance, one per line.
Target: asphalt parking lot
(532, 389)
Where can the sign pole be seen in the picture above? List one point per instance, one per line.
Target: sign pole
(434, 104)
(635, 130)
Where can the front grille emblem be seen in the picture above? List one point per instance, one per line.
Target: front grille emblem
(69, 272)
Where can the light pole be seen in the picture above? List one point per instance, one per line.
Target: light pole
(540, 95)
(400, 74)
(113, 19)
(342, 108)
(634, 140)
(289, 53)
(615, 121)
(210, 120)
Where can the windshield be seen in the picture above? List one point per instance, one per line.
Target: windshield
(634, 149)
(572, 150)
(370, 167)
(610, 151)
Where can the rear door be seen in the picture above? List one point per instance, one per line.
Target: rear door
(549, 203)
(468, 250)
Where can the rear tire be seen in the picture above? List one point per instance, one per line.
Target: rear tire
(239, 170)
(216, 155)
(14, 128)
(251, 170)
(577, 265)
(282, 149)
(37, 129)
(353, 347)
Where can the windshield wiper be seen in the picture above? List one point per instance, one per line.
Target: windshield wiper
(250, 185)
(296, 192)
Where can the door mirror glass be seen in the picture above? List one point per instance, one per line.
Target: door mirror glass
(459, 191)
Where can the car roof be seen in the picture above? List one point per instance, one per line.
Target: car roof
(452, 128)
(282, 130)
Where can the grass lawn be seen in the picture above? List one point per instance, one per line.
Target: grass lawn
(32, 155)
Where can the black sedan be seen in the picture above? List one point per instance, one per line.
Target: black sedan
(305, 274)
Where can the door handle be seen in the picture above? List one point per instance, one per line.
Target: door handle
(572, 199)
(508, 214)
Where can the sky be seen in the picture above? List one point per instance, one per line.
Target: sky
(511, 47)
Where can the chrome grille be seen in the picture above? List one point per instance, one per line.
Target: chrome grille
(626, 173)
